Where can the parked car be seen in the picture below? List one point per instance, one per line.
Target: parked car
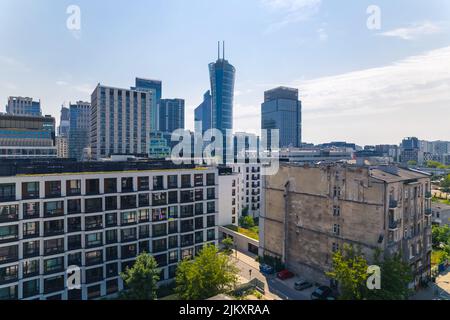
(266, 269)
(302, 285)
(322, 293)
(285, 274)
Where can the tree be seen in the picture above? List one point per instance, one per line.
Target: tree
(412, 163)
(440, 235)
(247, 222)
(350, 270)
(445, 184)
(142, 279)
(228, 244)
(209, 274)
(395, 277)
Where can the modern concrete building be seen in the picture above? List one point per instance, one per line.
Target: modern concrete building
(440, 213)
(79, 128)
(120, 121)
(27, 137)
(98, 216)
(229, 199)
(22, 106)
(250, 188)
(155, 87)
(282, 110)
(311, 211)
(62, 147)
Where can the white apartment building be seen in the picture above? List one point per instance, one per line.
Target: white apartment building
(250, 187)
(62, 147)
(229, 197)
(98, 216)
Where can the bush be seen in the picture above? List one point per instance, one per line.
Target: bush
(247, 222)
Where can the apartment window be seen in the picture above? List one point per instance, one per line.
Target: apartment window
(210, 179)
(74, 224)
(30, 190)
(8, 274)
(186, 181)
(110, 203)
(158, 183)
(159, 199)
(187, 196)
(30, 268)
(187, 254)
(199, 208)
(30, 249)
(94, 292)
(199, 195)
(54, 208)
(173, 227)
(112, 270)
(336, 229)
(335, 247)
(173, 197)
(161, 260)
(159, 245)
(93, 222)
(53, 228)
(159, 214)
(128, 218)
(53, 246)
(112, 286)
(211, 207)
(144, 215)
(173, 212)
(210, 221)
(199, 237)
(111, 219)
(74, 259)
(127, 185)
(173, 242)
(210, 235)
(198, 180)
(94, 240)
(111, 236)
(172, 182)
(128, 235)
(110, 185)
(111, 253)
(128, 202)
(173, 257)
(199, 223)
(144, 231)
(143, 184)
(336, 211)
(54, 265)
(7, 192)
(73, 187)
(94, 257)
(187, 240)
(9, 233)
(211, 193)
(74, 206)
(31, 229)
(74, 242)
(336, 192)
(30, 210)
(159, 230)
(186, 211)
(52, 189)
(144, 200)
(92, 186)
(31, 288)
(8, 293)
(93, 205)
(129, 251)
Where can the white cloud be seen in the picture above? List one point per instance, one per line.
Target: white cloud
(323, 35)
(61, 83)
(413, 31)
(290, 11)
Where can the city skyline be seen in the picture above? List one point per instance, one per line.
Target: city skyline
(400, 67)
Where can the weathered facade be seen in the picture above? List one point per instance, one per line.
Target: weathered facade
(311, 211)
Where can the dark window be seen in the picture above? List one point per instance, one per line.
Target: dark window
(186, 211)
(55, 208)
(30, 190)
(144, 246)
(94, 240)
(129, 251)
(158, 183)
(211, 235)
(128, 235)
(144, 200)
(111, 236)
(159, 199)
(94, 257)
(7, 192)
(93, 205)
(112, 270)
(8, 274)
(127, 185)
(187, 240)
(73, 187)
(210, 221)
(92, 186)
(93, 223)
(187, 226)
(74, 206)
(173, 227)
(159, 245)
(53, 246)
(94, 292)
(30, 210)
(30, 249)
(112, 286)
(74, 259)
(173, 242)
(144, 231)
(111, 219)
(110, 203)
(54, 284)
(53, 228)
(199, 208)
(186, 181)
(210, 179)
(143, 184)
(74, 242)
(211, 193)
(172, 182)
(30, 268)
(199, 223)
(211, 207)
(54, 265)
(111, 253)
(53, 189)
(161, 260)
(198, 180)
(187, 196)
(110, 185)
(31, 288)
(199, 237)
(159, 230)
(128, 202)
(74, 224)
(199, 195)
(173, 197)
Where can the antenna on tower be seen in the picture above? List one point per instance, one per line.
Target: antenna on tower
(223, 56)
(218, 50)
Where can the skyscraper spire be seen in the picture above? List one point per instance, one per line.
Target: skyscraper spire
(223, 47)
(218, 50)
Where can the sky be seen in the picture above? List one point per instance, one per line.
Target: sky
(365, 83)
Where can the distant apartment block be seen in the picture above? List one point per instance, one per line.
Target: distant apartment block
(282, 110)
(98, 216)
(62, 147)
(23, 106)
(229, 197)
(120, 121)
(79, 129)
(27, 136)
(250, 188)
(440, 213)
(309, 212)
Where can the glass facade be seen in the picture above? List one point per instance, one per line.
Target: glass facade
(79, 129)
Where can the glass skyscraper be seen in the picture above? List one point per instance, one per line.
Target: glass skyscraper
(203, 113)
(79, 115)
(170, 115)
(282, 110)
(23, 106)
(154, 86)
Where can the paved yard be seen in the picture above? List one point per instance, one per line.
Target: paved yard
(438, 290)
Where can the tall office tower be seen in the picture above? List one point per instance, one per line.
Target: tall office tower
(64, 122)
(62, 147)
(156, 87)
(203, 113)
(23, 106)
(282, 110)
(170, 115)
(120, 121)
(410, 151)
(222, 78)
(79, 129)
(27, 136)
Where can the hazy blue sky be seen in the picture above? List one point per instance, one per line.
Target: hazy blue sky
(356, 84)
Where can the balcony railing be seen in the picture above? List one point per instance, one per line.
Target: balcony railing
(393, 225)
(393, 204)
(428, 211)
(428, 195)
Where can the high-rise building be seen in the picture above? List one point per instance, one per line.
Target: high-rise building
(154, 86)
(410, 151)
(23, 106)
(222, 78)
(170, 115)
(27, 136)
(282, 110)
(310, 212)
(203, 113)
(120, 121)
(62, 146)
(64, 122)
(99, 216)
(79, 129)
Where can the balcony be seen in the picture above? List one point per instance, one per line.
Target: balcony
(428, 211)
(393, 204)
(428, 195)
(7, 198)
(393, 225)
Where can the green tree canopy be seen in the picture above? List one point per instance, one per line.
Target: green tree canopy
(228, 244)
(247, 222)
(209, 274)
(440, 235)
(141, 280)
